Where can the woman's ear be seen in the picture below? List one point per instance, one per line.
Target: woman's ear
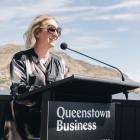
(36, 32)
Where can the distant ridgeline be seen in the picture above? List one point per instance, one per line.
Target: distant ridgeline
(74, 66)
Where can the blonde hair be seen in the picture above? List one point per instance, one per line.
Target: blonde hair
(35, 27)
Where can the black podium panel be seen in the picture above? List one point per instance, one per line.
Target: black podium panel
(86, 121)
(80, 89)
(4, 100)
(127, 120)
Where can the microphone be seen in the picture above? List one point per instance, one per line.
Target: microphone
(64, 46)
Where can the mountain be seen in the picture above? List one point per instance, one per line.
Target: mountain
(6, 53)
(74, 67)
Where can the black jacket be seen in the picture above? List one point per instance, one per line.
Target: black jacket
(22, 121)
(27, 73)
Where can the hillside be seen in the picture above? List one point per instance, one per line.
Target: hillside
(75, 66)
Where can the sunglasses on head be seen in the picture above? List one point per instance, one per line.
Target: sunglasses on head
(52, 29)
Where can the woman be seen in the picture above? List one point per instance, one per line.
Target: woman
(31, 69)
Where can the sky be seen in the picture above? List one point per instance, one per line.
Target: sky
(108, 30)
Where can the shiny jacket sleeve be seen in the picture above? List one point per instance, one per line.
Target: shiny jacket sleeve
(19, 77)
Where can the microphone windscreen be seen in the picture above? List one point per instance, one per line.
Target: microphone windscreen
(63, 46)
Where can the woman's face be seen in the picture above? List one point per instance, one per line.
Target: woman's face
(49, 34)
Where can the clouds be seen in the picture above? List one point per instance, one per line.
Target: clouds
(118, 11)
(128, 17)
(19, 14)
(27, 8)
(91, 42)
(121, 29)
(124, 11)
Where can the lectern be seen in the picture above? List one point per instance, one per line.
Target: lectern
(86, 98)
(79, 89)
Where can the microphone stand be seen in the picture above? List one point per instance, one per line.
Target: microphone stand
(122, 76)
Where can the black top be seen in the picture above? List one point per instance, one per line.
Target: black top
(27, 73)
